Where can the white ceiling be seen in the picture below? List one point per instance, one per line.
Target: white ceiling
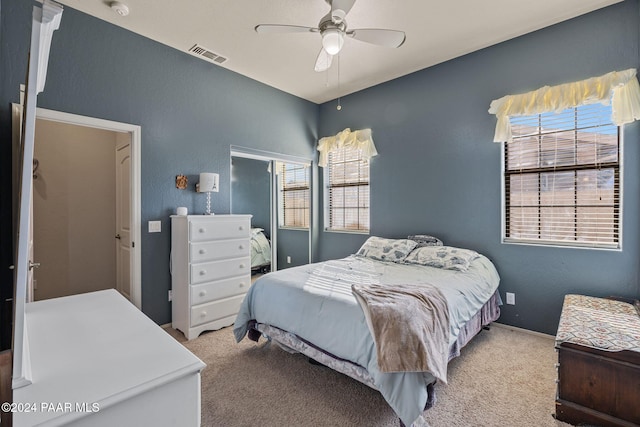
(436, 32)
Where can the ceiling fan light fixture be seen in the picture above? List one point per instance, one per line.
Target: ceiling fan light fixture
(332, 28)
(332, 40)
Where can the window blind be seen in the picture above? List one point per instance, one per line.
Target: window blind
(562, 178)
(348, 190)
(294, 180)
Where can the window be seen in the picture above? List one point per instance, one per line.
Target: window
(294, 195)
(562, 178)
(347, 198)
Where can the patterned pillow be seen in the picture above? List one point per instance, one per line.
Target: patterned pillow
(446, 257)
(394, 250)
(425, 240)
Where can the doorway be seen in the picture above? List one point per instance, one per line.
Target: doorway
(86, 216)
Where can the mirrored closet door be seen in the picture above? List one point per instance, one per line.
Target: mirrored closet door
(276, 190)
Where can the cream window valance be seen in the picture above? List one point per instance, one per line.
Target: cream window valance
(347, 138)
(618, 87)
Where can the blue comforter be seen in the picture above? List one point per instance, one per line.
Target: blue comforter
(315, 303)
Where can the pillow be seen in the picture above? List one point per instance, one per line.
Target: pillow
(425, 240)
(446, 257)
(394, 250)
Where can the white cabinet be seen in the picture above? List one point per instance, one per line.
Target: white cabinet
(210, 270)
(96, 360)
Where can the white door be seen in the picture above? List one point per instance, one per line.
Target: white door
(17, 150)
(123, 215)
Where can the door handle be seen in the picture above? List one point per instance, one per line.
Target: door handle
(33, 265)
(118, 236)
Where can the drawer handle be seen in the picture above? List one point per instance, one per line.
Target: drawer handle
(203, 314)
(203, 272)
(242, 284)
(203, 251)
(202, 230)
(241, 247)
(241, 265)
(203, 293)
(241, 228)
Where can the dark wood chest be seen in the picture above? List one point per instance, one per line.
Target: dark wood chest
(596, 386)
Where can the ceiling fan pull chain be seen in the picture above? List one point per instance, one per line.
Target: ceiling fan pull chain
(339, 107)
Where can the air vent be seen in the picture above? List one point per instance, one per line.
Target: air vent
(206, 54)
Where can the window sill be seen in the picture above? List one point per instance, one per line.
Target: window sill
(564, 245)
(366, 233)
(294, 228)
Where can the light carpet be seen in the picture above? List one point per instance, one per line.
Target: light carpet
(503, 377)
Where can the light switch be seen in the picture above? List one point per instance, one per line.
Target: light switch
(155, 226)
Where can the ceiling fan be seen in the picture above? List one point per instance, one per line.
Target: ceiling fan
(333, 29)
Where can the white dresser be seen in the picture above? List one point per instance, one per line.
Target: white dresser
(210, 270)
(98, 361)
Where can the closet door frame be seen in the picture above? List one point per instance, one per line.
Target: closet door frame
(272, 158)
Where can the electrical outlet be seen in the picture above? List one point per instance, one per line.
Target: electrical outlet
(288, 260)
(170, 295)
(511, 298)
(155, 226)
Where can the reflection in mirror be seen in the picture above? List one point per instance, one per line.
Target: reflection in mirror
(251, 194)
(276, 190)
(293, 213)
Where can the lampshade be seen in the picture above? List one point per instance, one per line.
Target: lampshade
(208, 182)
(332, 40)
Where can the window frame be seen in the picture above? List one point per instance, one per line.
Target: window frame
(558, 243)
(326, 175)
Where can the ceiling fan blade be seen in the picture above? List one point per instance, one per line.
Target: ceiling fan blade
(378, 36)
(340, 8)
(323, 62)
(276, 28)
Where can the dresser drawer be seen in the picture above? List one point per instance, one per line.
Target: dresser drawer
(219, 249)
(220, 289)
(216, 270)
(215, 310)
(201, 230)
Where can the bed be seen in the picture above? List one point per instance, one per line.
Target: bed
(260, 251)
(312, 309)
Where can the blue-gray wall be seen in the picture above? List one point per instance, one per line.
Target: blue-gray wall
(294, 244)
(439, 173)
(190, 112)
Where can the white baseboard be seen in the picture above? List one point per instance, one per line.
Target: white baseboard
(526, 331)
